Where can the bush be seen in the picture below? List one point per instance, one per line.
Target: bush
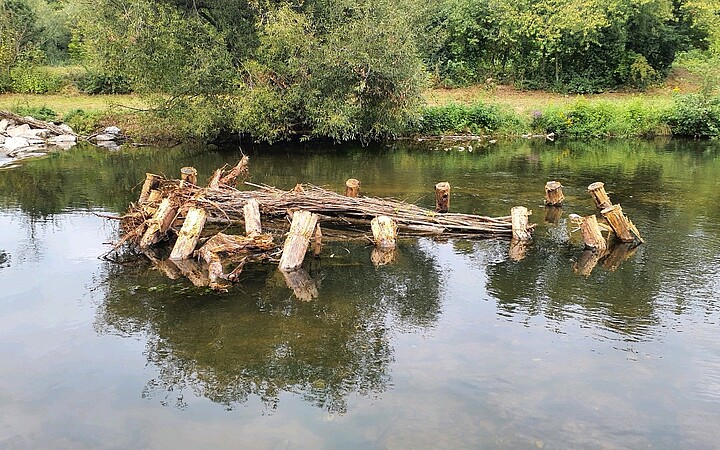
(32, 79)
(479, 118)
(95, 82)
(40, 113)
(695, 115)
(82, 122)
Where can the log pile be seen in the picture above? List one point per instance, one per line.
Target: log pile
(185, 217)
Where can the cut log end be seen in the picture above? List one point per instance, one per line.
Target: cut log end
(597, 191)
(442, 197)
(520, 225)
(189, 234)
(352, 188)
(384, 231)
(553, 193)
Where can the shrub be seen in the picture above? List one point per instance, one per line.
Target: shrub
(479, 118)
(695, 115)
(96, 82)
(82, 122)
(40, 113)
(31, 79)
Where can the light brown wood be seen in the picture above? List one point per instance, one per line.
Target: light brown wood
(352, 188)
(442, 197)
(553, 214)
(189, 234)
(302, 284)
(317, 241)
(520, 226)
(624, 229)
(383, 256)
(597, 191)
(384, 231)
(188, 175)
(225, 244)
(241, 169)
(587, 261)
(592, 237)
(251, 212)
(553, 193)
(518, 249)
(160, 222)
(151, 183)
(214, 182)
(194, 271)
(298, 239)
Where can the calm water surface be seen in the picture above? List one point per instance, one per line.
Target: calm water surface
(454, 345)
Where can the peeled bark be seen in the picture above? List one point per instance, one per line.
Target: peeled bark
(520, 226)
(189, 234)
(298, 239)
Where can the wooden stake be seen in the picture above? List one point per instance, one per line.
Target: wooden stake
(592, 236)
(621, 225)
(442, 197)
(384, 231)
(251, 211)
(298, 239)
(188, 175)
(189, 234)
(160, 222)
(520, 228)
(152, 182)
(597, 190)
(553, 193)
(352, 188)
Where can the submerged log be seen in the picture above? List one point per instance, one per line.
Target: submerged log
(298, 239)
(442, 197)
(189, 234)
(553, 193)
(624, 229)
(251, 211)
(597, 191)
(152, 182)
(520, 227)
(592, 237)
(302, 284)
(159, 224)
(193, 270)
(224, 244)
(188, 175)
(384, 231)
(352, 188)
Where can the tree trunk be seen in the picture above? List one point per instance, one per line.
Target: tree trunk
(152, 182)
(251, 211)
(189, 234)
(160, 222)
(188, 175)
(621, 225)
(553, 193)
(597, 190)
(442, 197)
(298, 239)
(352, 188)
(519, 216)
(384, 231)
(592, 236)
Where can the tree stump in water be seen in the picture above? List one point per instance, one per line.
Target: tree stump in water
(553, 193)
(597, 190)
(189, 234)
(251, 211)
(520, 229)
(592, 236)
(384, 231)
(151, 183)
(624, 229)
(188, 175)
(160, 222)
(442, 197)
(352, 188)
(298, 239)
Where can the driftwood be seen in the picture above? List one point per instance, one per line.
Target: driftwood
(35, 123)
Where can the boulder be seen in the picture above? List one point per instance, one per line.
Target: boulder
(13, 143)
(66, 128)
(62, 138)
(18, 130)
(111, 130)
(105, 137)
(4, 125)
(38, 133)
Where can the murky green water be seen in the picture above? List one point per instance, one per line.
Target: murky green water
(454, 345)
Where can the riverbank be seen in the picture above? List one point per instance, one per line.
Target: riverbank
(672, 109)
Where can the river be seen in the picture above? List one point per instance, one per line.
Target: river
(453, 345)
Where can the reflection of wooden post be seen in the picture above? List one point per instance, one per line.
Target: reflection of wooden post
(553, 193)
(442, 197)
(383, 256)
(519, 216)
(618, 254)
(302, 285)
(553, 214)
(587, 262)
(188, 175)
(352, 188)
(317, 241)
(298, 239)
(152, 182)
(384, 231)
(592, 236)
(597, 190)
(159, 223)
(189, 234)
(518, 249)
(621, 225)
(251, 211)
(194, 271)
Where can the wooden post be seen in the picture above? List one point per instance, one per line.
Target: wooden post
(159, 223)
(298, 239)
(597, 190)
(384, 231)
(553, 193)
(189, 234)
(553, 214)
(621, 225)
(519, 216)
(592, 236)
(442, 197)
(152, 182)
(251, 211)
(188, 175)
(352, 188)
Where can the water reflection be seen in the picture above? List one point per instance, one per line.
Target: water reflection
(259, 340)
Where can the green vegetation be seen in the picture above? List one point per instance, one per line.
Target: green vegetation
(358, 69)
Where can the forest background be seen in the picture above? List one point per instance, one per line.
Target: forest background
(366, 69)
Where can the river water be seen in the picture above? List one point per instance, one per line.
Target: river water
(453, 345)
